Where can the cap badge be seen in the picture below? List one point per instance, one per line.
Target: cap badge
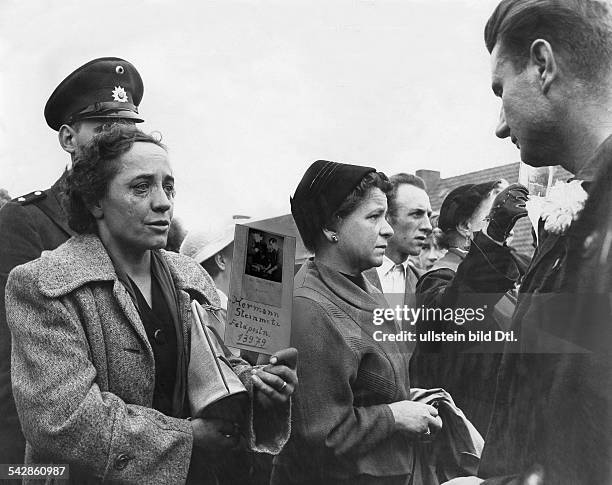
(120, 95)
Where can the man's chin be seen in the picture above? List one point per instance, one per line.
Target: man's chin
(375, 262)
(536, 160)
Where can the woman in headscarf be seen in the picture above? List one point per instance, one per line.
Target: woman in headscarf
(468, 378)
(101, 327)
(353, 420)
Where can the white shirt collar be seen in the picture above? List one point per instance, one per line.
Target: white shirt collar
(388, 265)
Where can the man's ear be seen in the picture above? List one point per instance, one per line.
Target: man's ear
(464, 229)
(543, 57)
(220, 261)
(96, 210)
(67, 138)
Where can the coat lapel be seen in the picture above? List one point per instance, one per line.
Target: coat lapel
(410, 289)
(83, 259)
(129, 309)
(357, 303)
(188, 277)
(372, 276)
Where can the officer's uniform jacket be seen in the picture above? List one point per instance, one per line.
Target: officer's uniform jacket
(29, 225)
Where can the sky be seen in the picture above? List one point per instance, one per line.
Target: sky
(247, 94)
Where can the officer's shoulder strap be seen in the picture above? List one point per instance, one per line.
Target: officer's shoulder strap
(26, 199)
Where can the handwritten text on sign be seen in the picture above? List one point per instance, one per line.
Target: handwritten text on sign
(256, 323)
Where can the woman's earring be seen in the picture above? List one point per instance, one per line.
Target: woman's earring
(468, 243)
(334, 238)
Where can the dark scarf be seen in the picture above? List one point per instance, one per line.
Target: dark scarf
(161, 271)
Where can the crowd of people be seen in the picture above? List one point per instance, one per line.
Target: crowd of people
(97, 282)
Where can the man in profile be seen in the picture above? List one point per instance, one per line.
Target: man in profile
(552, 69)
(101, 92)
(408, 214)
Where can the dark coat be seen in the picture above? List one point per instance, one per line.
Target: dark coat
(27, 228)
(342, 427)
(467, 370)
(553, 400)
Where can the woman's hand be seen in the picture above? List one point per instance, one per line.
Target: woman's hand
(417, 418)
(275, 382)
(214, 437)
(508, 207)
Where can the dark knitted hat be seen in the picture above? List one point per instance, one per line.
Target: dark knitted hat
(321, 192)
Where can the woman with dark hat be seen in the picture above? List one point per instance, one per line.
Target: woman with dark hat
(353, 420)
(470, 379)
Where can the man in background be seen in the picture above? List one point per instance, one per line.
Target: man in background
(408, 214)
(103, 91)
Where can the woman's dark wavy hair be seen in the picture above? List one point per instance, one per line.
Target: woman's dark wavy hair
(459, 206)
(93, 169)
(321, 218)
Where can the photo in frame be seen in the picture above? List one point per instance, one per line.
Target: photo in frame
(261, 291)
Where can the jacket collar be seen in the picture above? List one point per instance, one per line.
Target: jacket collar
(83, 259)
(345, 289)
(588, 172)
(451, 260)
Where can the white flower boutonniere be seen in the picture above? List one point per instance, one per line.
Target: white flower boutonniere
(562, 206)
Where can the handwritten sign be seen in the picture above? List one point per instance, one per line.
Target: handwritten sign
(261, 291)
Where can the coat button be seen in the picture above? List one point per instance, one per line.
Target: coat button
(159, 336)
(122, 461)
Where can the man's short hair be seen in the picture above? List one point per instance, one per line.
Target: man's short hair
(402, 179)
(210, 265)
(580, 29)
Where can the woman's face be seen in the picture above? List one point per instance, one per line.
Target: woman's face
(430, 253)
(136, 211)
(363, 234)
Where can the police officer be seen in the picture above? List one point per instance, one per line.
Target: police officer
(101, 92)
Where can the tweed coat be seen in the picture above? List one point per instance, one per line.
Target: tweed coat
(26, 229)
(84, 372)
(342, 425)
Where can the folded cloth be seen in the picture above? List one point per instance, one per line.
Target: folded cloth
(455, 451)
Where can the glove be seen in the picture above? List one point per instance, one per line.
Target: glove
(508, 207)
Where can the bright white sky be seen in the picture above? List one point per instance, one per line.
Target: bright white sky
(248, 93)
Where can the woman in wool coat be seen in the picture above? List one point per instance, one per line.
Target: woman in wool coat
(101, 327)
